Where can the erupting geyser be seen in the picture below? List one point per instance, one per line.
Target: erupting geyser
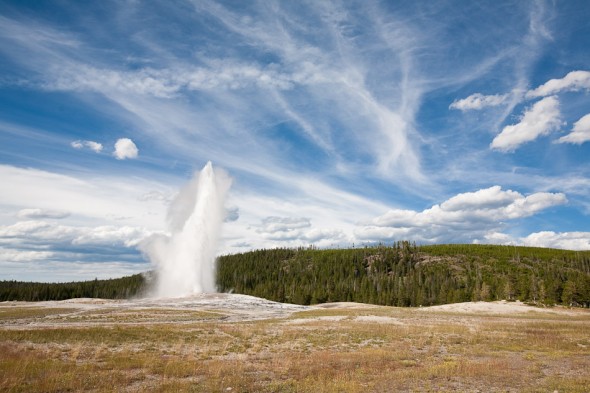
(185, 260)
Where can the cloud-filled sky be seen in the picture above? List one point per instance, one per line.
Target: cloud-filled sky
(340, 123)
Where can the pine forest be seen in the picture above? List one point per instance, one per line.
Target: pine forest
(401, 274)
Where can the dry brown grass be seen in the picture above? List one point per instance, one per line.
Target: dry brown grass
(24, 312)
(322, 350)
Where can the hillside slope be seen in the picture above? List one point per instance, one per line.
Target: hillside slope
(406, 275)
(117, 288)
(398, 275)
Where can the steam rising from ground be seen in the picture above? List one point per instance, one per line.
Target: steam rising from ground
(185, 260)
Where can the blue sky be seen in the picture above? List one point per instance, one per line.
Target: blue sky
(340, 123)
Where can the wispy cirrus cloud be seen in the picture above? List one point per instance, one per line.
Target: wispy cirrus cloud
(41, 214)
(303, 68)
(170, 82)
(332, 112)
(102, 200)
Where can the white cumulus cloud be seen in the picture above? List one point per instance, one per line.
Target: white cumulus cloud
(11, 255)
(565, 240)
(580, 133)
(464, 217)
(125, 148)
(47, 236)
(488, 198)
(573, 81)
(542, 118)
(547, 239)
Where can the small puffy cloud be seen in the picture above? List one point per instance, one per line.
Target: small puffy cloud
(39, 214)
(320, 235)
(542, 118)
(464, 217)
(478, 101)
(283, 228)
(580, 133)
(97, 147)
(297, 230)
(125, 148)
(94, 146)
(573, 81)
(488, 198)
(496, 238)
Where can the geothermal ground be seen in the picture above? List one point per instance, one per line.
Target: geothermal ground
(236, 343)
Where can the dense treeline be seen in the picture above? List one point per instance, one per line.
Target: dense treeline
(399, 275)
(119, 288)
(406, 275)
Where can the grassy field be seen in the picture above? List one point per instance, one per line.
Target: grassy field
(331, 348)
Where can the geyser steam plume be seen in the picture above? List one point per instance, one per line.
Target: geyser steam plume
(185, 260)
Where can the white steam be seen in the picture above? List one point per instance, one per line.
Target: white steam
(185, 260)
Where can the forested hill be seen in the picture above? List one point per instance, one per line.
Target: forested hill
(398, 275)
(118, 288)
(406, 275)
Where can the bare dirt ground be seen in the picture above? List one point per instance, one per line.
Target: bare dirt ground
(234, 308)
(238, 343)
